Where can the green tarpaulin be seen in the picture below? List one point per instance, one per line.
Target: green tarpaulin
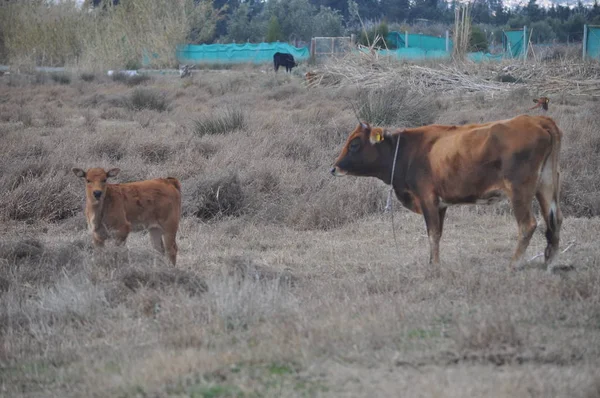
(593, 42)
(513, 43)
(236, 53)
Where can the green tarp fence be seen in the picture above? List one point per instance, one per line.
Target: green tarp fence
(416, 40)
(593, 42)
(236, 53)
(513, 43)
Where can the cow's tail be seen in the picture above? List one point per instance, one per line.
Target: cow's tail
(553, 162)
(175, 182)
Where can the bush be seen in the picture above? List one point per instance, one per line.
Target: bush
(130, 80)
(396, 104)
(46, 197)
(225, 122)
(87, 77)
(112, 148)
(478, 40)
(214, 197)
(61, 78)
(155, 152)
(381, 30)
(147, 98)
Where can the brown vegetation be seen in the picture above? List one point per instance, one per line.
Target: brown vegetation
(289, 282)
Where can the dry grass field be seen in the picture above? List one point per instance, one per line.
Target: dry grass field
(289, 282)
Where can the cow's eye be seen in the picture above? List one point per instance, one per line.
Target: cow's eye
(88, 181)
(354, 145)
(104, 181)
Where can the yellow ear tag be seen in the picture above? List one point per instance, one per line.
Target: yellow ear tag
(379, 137)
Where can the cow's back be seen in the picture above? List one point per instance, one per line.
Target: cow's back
(147, 203)
(477, 158)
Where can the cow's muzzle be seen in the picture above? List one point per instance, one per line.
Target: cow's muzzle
(337, 172)
(97, 194)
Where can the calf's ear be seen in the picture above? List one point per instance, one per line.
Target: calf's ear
(113, 172)
(78, 172)
(376, 136)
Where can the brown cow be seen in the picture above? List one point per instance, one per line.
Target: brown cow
(152, 204)
(438, 166)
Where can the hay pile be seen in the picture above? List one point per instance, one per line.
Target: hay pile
(372, 70)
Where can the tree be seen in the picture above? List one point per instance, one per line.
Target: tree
(203, 22)
(328, 22)
(395, 10)
(532, 10)
(274, 30)
(542, 32)
(241, 27)
(478, 41)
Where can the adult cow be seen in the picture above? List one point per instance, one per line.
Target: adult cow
(152, 204)
(284, 59)
(438, 166)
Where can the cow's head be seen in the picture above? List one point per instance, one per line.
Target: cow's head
(543, 102)
(95, 182)
(362, 154)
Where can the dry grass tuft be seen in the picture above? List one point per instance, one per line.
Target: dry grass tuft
(135, 279)
(396, 105)
(131, 80)
(489, 333)
(215, 197)
(226, 121)
(148, 98)
(155, 152)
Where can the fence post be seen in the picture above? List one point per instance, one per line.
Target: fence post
(447, 41)
(312, 48)
(585, 33)
(352, 39)
(525, 49)
(406, 38)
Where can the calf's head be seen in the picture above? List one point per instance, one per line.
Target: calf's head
(362, 154)
(95, 179)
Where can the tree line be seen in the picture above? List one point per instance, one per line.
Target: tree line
(290, 20)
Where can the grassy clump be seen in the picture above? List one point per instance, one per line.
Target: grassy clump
(222, 123)
(396, 104)
(61, 78)
(215, 197)
(148, 98)
(87, 77)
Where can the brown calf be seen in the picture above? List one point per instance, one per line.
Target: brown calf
(153, 204)
(438, 166)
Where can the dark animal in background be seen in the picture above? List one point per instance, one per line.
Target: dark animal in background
(284, 59)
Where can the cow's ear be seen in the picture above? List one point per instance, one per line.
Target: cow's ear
(113, 172)
(78, 172)
(377, 135)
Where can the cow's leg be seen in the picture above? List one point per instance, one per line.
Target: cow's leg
(98, 237)
(122, 233)
(521, 203)
(171, 245)
(552, 216)
(434, 220)
(156, 239)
